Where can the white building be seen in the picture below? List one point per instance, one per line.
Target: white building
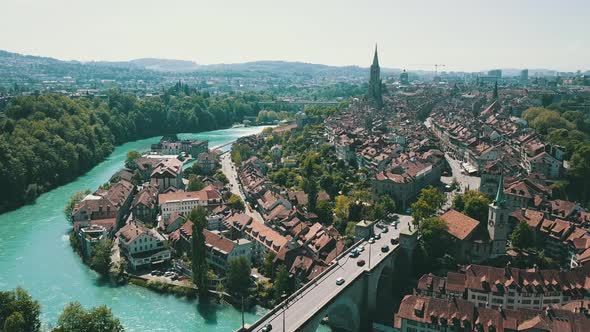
(142, 246)
(183, 202)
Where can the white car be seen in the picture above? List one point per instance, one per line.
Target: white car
(339, 281)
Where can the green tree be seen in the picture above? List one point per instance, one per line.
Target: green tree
(132, 155)
(522, 237)
(100, 261)
(238, 276)
(75, 318)
(19, 310)
(15, 323)
(311, 189)
(429, 201)
(137, 179)
(435, 242)
(198, 217)
(281, 283)
(235, 202)
(472, 203)
(194, 183)
(341, 211)
(579, 173)
(268, 264)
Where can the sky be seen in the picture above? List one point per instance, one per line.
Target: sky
(465, 35)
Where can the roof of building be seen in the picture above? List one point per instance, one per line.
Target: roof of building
(459, 225)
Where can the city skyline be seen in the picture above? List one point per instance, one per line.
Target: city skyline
(462, 35)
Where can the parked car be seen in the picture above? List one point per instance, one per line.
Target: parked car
(339, 281)
(394, 241)
(372, 240)
(385, 248)
(378, 236)
(360, 248)
(154, 272)
(361, 262)
(182, 277)
(385, 230)
(169, 274)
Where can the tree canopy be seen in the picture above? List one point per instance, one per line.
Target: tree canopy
(198, 216)
(18, 311)
(238, 276)
(49, 139)
(76, 318)
(472, 203)
(429, 201)
(522, 236)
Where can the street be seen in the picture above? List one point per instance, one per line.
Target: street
(232, 175)
(466, 182)
(321, 291)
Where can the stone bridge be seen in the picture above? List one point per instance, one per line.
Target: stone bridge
(352, 305)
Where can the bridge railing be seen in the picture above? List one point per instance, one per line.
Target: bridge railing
(305, 287)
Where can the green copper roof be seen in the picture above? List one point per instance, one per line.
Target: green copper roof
(500, 194)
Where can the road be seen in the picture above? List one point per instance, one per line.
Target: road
(227, 167)
(466, 182)
(303, 306)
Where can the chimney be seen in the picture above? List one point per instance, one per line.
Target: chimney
(523, 212)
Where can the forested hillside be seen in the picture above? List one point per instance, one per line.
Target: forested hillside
(49, 139)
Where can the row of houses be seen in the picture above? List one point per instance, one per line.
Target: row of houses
(509, 287)
(294, 236)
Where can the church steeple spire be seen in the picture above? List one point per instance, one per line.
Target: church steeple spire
(375, 94)
(376, 57)
(500, 194)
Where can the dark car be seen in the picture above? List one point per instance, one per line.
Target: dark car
(394, 241)
(385, 248)
(360, 262)
(267, 328)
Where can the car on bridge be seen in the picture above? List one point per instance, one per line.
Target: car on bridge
(339, 281)
(385, 248)
(354, 254)
(361, 262)
(267, 328)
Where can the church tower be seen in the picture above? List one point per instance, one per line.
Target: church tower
(374, 94)
(498, 222)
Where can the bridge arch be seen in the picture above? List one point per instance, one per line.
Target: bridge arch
(344, 314)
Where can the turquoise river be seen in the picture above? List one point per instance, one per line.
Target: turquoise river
(35, 254)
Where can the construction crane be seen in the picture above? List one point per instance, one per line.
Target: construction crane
(436, 65)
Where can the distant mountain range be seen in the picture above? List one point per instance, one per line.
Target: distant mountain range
(14, 66)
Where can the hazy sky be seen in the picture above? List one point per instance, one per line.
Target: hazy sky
(464, 35)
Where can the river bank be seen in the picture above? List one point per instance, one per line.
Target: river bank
(35, 253)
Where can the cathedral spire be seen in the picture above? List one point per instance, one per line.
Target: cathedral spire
(375, 94)
(376, 57)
